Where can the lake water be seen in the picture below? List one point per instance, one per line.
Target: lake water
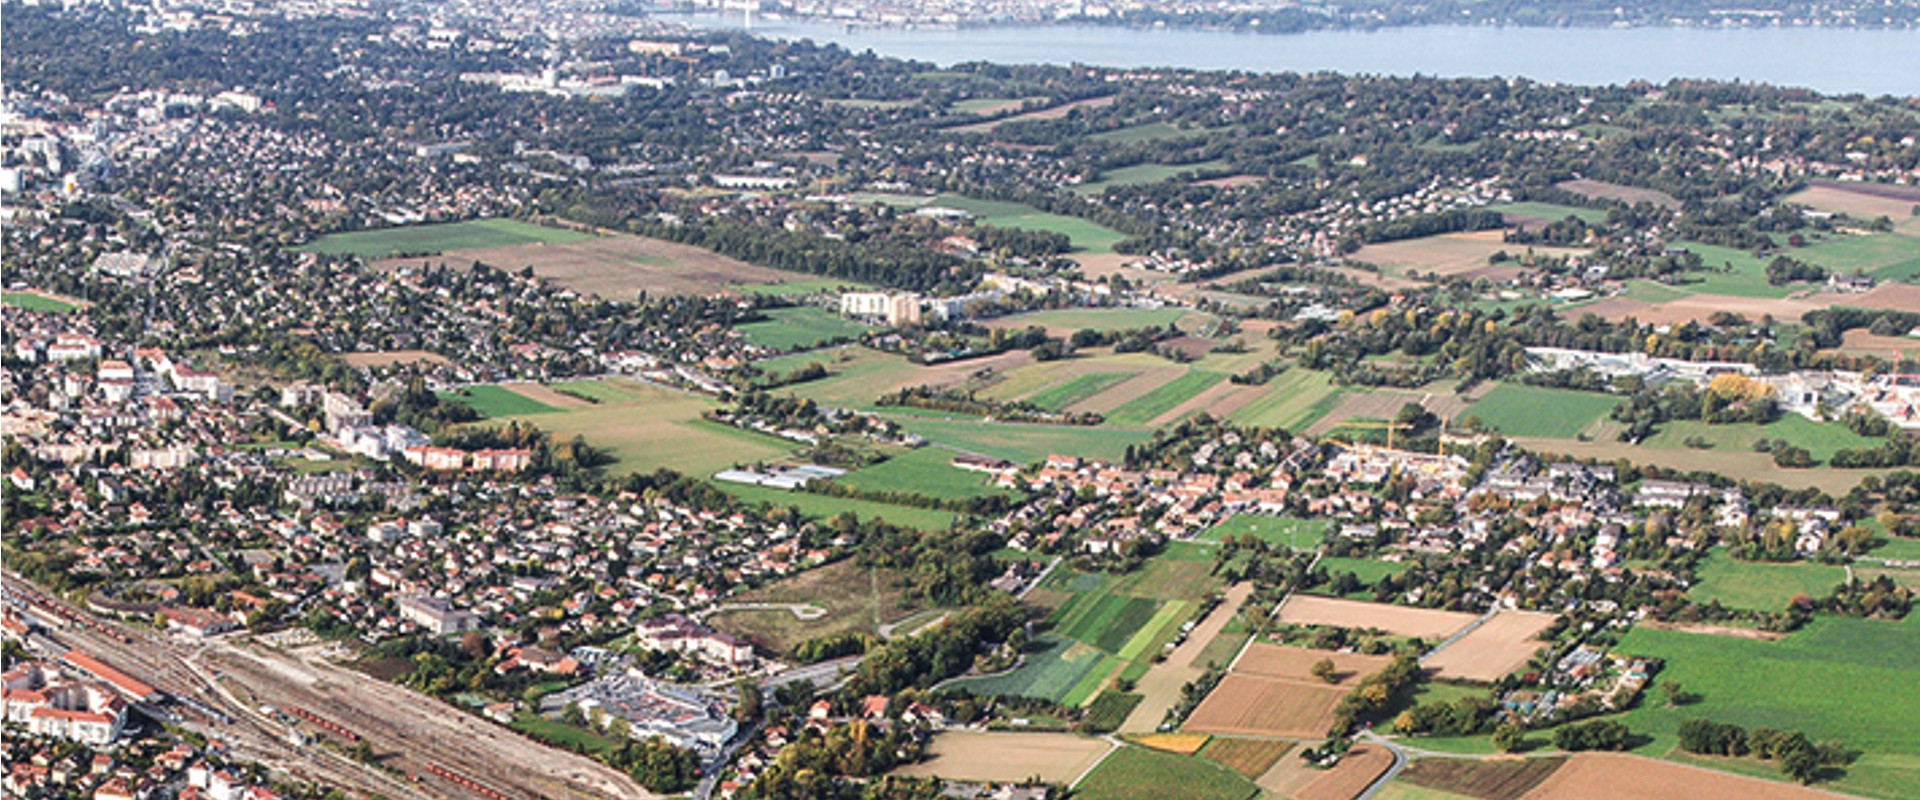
(1831, 60)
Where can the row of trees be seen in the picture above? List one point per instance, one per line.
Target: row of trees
(1799, 757)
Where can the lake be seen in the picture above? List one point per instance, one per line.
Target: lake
(1831, 60)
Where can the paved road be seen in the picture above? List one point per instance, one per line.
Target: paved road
(1399, 763)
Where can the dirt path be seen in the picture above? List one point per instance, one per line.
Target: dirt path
(1161, 685)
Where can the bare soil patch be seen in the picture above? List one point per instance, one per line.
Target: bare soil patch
(1451, 253)
(1426, 623)
(1055, 112)
(1736, 464)
(1384, 404)
(980, 756)
(615, 266)
(543, 394)
(1218, 400)
(1249, 705)
(1714, 630)
(1621, 192)
(1233, 181)
(1345, 781)
(1500, 645)
(1618, 776)
(1287, 776)
(1853, 204)
(1249, 757)
(1862, 342)
(1487, 779)
(1377, 279)
(383, 358)
(1160, 687)
(1296, 663)
(1129, 389)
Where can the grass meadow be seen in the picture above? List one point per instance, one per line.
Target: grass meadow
(1298, 534)
(1293, 401)
(801, 328)
(1821, 439)
(439, 238)
(926, 470)
(1761, 586)
(1518, 410)
(1845, 679)
(494, 401)
(1139, 773)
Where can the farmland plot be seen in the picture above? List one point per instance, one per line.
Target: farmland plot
(1500, 645)
(1425, 623)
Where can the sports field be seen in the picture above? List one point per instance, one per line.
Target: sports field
(38, 301)
(1533, 411)
(1761, 586)
(1138, 773)
(800, 328)
(496, 401)
(439, 238)
(1299, 534)
(1834, 679)
(926, 470)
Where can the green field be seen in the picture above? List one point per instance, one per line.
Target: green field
(1166, 397)
(1146, 173)
(1518, 410)
(1022, 443)
(439, 238)
(36, 302)
(1052, 668)
(1820, 439)
(598, 391)
(1298, 534)
(1367, 570)
(1550, 211)
(1087, 236)
(1887, 256)
(1651, 292)
(495, 401)
(926, 470)
(1293, 401)
(1099, 319)
(1115, 624)
(1060, 396)
(800, 286)
(1747, 278)
(1147, 132)
(647, 427)
(560, 733)
(1837, 678)
(824, 507)
(857, 375)
(1761, 586)
(801, 328)
(997, 105)
(1138, 773)
(855, 598)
